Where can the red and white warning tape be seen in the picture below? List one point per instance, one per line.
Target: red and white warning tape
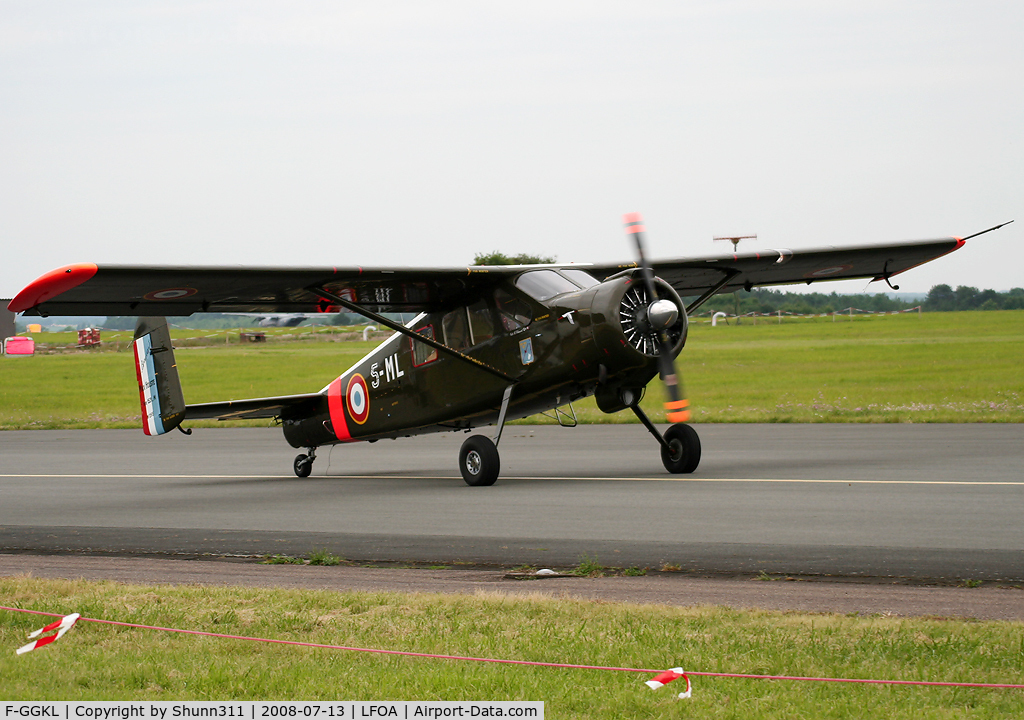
(61, 626)
(70, 620)
(660, 681)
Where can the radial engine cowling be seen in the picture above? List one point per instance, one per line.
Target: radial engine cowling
(627, 321)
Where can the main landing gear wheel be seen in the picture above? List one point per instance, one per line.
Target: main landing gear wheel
(479, 462)
(303, 464)
(683, 452)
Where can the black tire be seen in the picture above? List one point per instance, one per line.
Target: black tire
(685, 455)
(302, 466)
(479, 461)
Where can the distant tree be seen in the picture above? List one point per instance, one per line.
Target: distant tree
(941, 298)
(966, 297)
(990, 300)
(199, 321)
(800, 308)
(883, 303)
(344, 318)
(1014, 299)
(770, 301)
(500, 258)
(119, 323)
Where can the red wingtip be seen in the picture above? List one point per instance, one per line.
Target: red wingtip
(51, 285)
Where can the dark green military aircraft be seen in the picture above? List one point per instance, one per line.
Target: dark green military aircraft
(489, 343)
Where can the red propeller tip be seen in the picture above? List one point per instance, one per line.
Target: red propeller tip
(676, 411)
(634, 223)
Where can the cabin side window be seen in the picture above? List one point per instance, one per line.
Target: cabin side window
(468, 326)
(421, 352)
(481, 324)
(514, 312)
(456, 329)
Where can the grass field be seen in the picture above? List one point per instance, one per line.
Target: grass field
(938, 367)
(100, 662)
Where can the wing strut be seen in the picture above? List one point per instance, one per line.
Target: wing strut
(399, 328)
(729, 275)
(501, 413)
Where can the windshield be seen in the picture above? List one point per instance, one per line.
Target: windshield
(544, 284)
(580, 277)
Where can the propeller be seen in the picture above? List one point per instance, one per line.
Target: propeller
(659, 316)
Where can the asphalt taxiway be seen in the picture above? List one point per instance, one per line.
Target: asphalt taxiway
(927, 502)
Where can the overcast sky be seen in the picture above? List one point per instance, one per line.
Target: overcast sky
(421, 133)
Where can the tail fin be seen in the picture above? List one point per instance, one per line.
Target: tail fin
(163, 405)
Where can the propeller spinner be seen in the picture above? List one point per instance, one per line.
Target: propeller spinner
(657, 315)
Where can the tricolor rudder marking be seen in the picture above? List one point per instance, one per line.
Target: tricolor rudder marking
(149, 398)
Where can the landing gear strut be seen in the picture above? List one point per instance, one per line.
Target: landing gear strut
(680, 446)
(478, 458)
(303, 464)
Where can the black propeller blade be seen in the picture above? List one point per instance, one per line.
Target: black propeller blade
(660, 317)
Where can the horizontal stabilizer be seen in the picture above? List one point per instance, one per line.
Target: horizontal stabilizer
(255, 408)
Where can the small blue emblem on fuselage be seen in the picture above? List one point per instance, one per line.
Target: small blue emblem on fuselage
(526, 350)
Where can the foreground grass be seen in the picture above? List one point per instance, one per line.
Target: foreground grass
(938, 367)
(100, 662)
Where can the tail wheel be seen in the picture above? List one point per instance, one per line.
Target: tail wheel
(479, 461)
(683, 452)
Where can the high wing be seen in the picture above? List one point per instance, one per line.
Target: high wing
(88, 289)
(725, 273)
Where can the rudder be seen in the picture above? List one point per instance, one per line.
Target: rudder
(163, 405)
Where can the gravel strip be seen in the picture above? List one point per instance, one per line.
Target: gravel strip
(988, 602)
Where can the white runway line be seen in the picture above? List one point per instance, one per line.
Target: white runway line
(283, 476)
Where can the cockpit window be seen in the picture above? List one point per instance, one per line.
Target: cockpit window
(580, 277)
(544, 284)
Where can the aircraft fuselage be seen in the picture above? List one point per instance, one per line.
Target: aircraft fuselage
(554, 350)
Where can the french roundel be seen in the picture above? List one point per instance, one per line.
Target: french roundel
(358, 398)
(825, 272)
(170, 294)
